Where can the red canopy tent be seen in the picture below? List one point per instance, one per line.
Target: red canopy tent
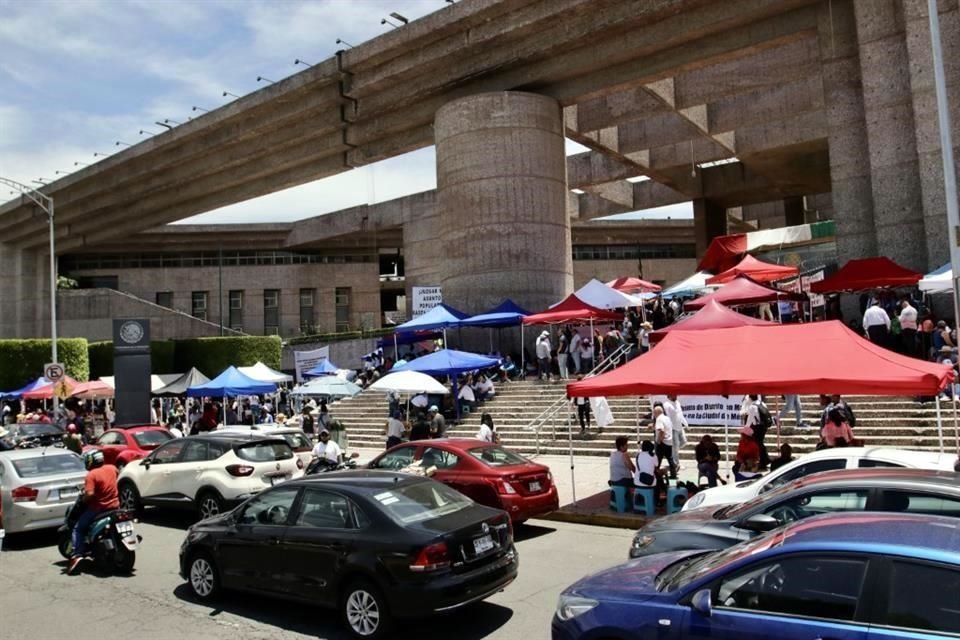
(633, 285)
(46, 392)
(757, 270)
(820, 357)
(571, 309)
(713, 315)
(743, 290)
(867, 273)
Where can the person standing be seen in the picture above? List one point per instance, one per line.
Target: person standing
(394, 430)
(543, 356)
(563, 348)
(908, 327)
(438, 425)
(644, 337)
(583, 411)
(575, 352)
(663, 430)
(674, 412)
(792, 401)
(876, 323)
(586, 355)
(306, 422)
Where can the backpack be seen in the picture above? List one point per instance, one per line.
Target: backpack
(766, 420)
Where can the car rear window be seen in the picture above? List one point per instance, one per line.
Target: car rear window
(497, 456)
(48, 465)
(421, 501)
(37, 429)
(152, 439)
(265, 451)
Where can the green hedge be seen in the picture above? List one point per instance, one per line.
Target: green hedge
(343, 335)
(213, 355)
(101, 359)
(163, 357)
(21, 361)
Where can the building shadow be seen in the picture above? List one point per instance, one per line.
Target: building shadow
(180, 519)
(526, 531)
(473, 622)
(29, 540)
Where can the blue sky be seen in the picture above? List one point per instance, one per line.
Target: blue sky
(79, 75)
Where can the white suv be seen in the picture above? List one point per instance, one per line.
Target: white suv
(209, 472)
(817, 462)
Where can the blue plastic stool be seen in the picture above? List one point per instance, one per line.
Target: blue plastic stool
(644, 500)
(618, 499)
(676, 497)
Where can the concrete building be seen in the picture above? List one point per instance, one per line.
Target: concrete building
(778, 103)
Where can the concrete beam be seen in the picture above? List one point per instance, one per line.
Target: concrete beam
(365, 218)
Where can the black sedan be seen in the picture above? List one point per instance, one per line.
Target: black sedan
(373, 544)
(31, 434)
(713, 527)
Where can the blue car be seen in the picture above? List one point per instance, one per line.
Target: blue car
(842, 576)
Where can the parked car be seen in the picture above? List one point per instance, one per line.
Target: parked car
(295, 437)
(900, 490)
(37, 487)
(376, 545)
(121, 446)
(208, 472)
(488, 473)
(32, 434)
(856, 576)
(816, 462)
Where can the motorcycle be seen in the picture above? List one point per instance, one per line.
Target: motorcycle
(111, 539)
(323, 465)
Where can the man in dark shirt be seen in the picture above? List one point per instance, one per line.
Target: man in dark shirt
(420, 429)
(708, 459)
(786, 456)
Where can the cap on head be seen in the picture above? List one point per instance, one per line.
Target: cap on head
(324, 432)
(433, 409)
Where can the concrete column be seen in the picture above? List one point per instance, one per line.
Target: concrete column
(925, 111)
(24, 293)
(709, 221)
(852, 188)
(501, 201)
(891, 138)
(793, 212)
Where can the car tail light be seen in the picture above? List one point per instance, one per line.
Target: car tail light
(299, 463)
(432, 557)
(549, 477)
(504, 488)
(24, 494)
(240, 470)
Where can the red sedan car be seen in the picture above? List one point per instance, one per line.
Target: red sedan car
(122, 446)
(487, 473)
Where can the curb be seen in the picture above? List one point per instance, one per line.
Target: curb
(597, 519)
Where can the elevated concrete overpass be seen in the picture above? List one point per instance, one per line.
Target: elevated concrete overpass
(811, 96)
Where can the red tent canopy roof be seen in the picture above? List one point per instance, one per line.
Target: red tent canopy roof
(867, 273)
(742, 290)
(713, 315)
(571, 309)
(820, 357)
(756, 269)
(633, 285)
(46, 392)
(723, 253)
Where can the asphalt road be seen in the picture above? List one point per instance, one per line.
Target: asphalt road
(39, 601)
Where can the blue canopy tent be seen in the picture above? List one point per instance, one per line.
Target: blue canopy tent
(33, 386)
(450, 362)
(505, 314)
(323, 368)
(231, 383)
(440, 317)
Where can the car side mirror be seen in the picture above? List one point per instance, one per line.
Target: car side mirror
(759, 522)
(145, 463)
(702, 603)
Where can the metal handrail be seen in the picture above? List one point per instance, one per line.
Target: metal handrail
(550, 413)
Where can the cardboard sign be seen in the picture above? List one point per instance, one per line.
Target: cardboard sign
(424, 299)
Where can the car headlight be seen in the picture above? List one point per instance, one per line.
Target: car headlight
(569, 607)
(695, 501)
(642, 541)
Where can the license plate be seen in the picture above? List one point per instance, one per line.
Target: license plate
(68, 494)
(535, 486)
(483, 544)
(125, 528)
(275, 480)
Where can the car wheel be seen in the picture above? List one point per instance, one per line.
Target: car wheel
(130, 498)
(209, 504)
(203, 576)
(364, 611)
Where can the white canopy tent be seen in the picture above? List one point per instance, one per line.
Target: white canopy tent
(262, 373)
(157, 381)
(939, 281)
(691, 286)
(599, 295)
(409, 382)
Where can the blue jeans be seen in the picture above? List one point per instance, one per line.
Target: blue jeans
(80, 531)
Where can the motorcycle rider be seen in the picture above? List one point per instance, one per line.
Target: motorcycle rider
(99, 495)
(72, 440)
(327, 449)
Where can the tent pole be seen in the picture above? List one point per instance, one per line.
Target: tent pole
(776, 412)
(939, 423)
(523, 356)
(956, 429)
(445, 338)
(396, 355)
(491, 341)
(726, 444)
(638, 419)
(573, 477)
(596, 356)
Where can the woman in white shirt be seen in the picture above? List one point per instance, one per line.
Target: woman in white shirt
(487, 431)
(645, 474)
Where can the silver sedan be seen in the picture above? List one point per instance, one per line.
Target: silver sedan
(37, 486)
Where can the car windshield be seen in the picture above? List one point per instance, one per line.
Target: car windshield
(48, 465)
(151, 439)
(736, 510)
(421, 501)
(497, 456)
(680, 574)
(265, 451)
(37, 429)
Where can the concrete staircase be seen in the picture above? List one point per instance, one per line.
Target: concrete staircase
(881, 421)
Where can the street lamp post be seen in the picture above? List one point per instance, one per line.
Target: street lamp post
(45, 202)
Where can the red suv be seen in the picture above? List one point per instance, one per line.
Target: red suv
(487, 473)
(123, 445)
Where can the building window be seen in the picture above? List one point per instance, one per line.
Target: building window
(236, 310)
(342, 302)
(271, 311)
(198, 304)
(307, 316)
(165, 299)
(633, 252)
